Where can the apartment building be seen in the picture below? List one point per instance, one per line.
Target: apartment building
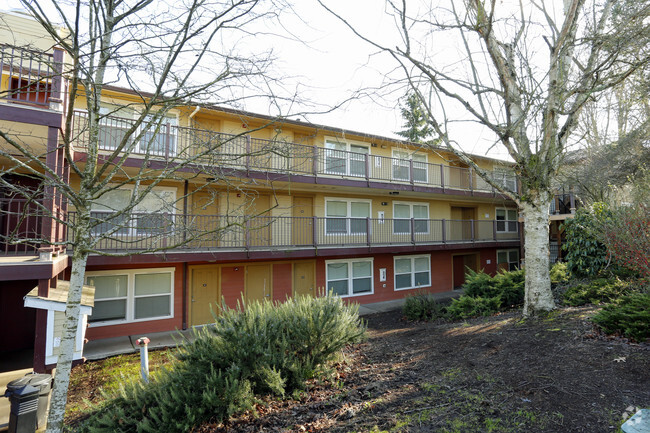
(277, 208)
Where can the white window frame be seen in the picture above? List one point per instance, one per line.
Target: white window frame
(173, 149)
(348, 216)
(107, 108)
(131, 229)
(410, 204)
(400, 162)
(505, 178)
(506, 222)
(350, 278)
(509, 262)
(412, 273)
(130, 294)
(349, 155)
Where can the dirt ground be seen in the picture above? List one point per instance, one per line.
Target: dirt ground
(496, 374)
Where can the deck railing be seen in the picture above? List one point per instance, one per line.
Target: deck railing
(242, 152)
(23, 224)
(152, 231)
(27, 75)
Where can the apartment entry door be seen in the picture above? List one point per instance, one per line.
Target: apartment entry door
(303, 278)
(204, 293)
(302, 213)
(461, 263)
(258, 283)
(205, 223)
(259, 233)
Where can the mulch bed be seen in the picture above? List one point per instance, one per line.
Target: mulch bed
(495, 374)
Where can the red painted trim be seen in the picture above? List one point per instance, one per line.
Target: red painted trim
(40, 339)
(169, 258)
(33, 271)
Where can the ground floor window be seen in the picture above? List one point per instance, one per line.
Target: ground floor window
(131, 295)
(508, 259)
(349, 277)
(412, 272)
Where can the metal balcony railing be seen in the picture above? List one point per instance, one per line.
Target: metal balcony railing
(25, 227)
(150, 231)
(27, 75)
(242, 152)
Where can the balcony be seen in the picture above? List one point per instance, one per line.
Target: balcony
(28, 76)
(562, 205)
(25, 226)
(200, 233)
(244, 155)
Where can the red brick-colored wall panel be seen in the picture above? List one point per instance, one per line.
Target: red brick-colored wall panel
(282, 281)
(232, 284)
(491, 255)
(149, 326)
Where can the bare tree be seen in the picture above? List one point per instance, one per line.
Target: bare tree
(169, 54)
(524, 73)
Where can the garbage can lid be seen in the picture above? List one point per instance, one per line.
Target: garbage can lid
(21, 391)
(18, 383)
(36, 379)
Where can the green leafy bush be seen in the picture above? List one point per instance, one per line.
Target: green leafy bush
(597, 291)
(629, 317)
(468, 306)
(422, 306)
(559, 273)
(511, 287)
(508, 286)
(584, 254)
(262, 349)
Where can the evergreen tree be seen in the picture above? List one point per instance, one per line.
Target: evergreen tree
(415, 121)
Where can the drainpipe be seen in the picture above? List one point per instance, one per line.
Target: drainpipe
(196, 110)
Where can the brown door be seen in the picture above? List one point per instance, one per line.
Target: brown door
(258, 283)
(204, 294)
(259, 226)
(461, 264)
(203, 221)
(303, 278)
(302, 227)
(468, 215)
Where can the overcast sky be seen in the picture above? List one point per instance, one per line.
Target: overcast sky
(325, 63)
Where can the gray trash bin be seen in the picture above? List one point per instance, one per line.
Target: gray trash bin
(24, 407)
(42, 382)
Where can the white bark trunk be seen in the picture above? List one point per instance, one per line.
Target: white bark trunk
(66, 350)
(539, 297)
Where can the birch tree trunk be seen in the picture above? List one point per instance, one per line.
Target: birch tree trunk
(539, 297)
(68, 340)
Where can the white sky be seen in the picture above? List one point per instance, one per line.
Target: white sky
(327, 63)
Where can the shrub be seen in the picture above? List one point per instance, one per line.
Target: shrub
(467, 306)
(479, 284)
(422, 306)
(626, 235)
(261, 349)
(584, 254)
(508, 286)
(511, 287)
(596, 291)
(630, 317)
(559, 273)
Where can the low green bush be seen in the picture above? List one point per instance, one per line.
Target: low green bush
(468, 306)
(422, 306)
(508, 286)
(600, 290)
(261, 349)
(511, 287)
(559, 273)
(629, 317)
